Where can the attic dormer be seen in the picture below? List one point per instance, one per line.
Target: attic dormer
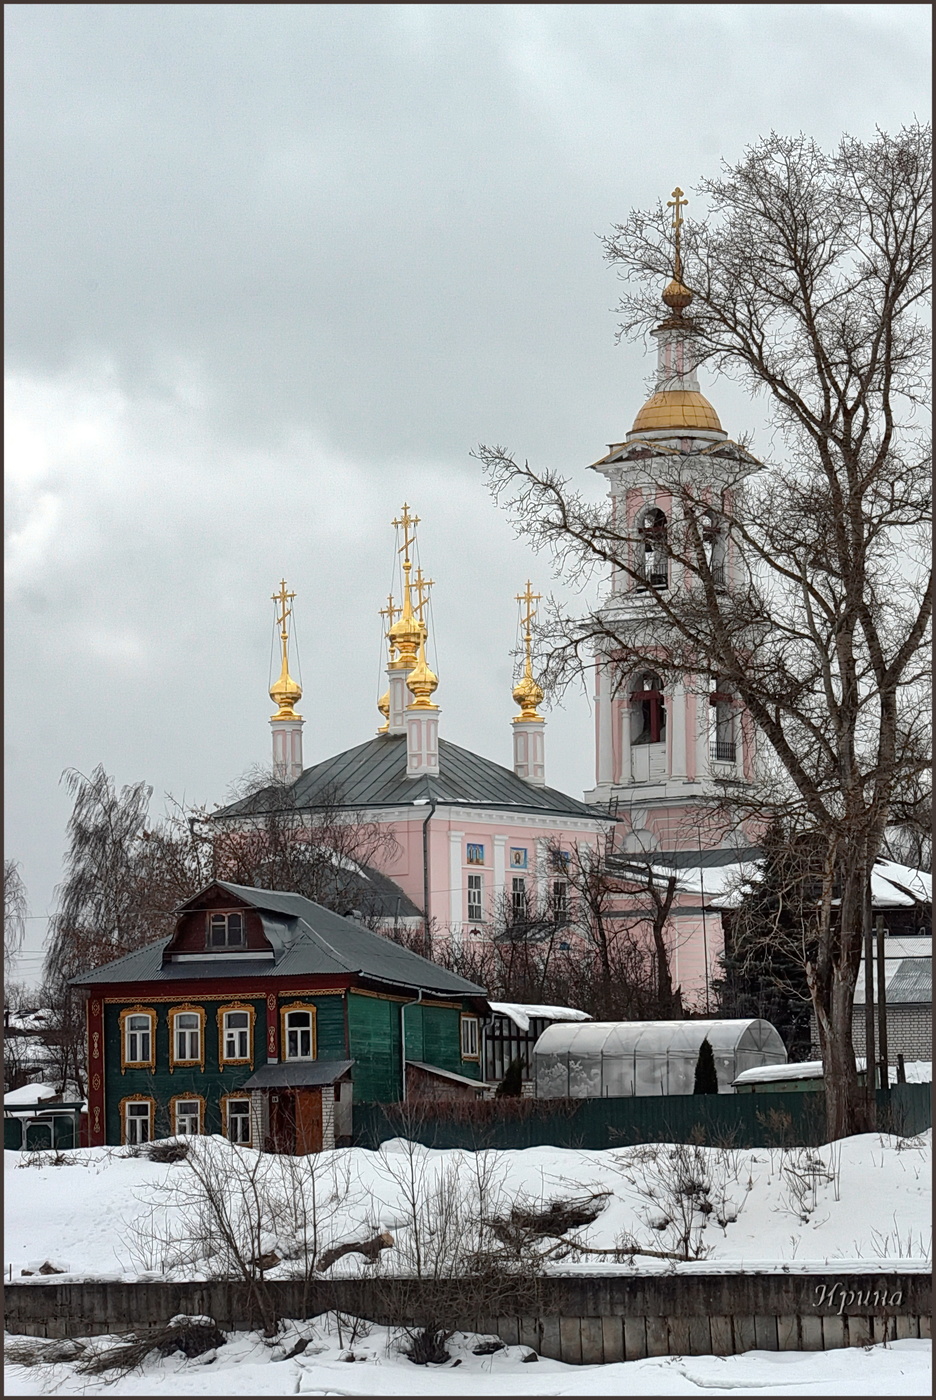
(218, 924)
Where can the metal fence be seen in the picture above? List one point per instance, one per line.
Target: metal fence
(738, 1120)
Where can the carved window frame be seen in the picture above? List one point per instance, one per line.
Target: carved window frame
(223, 1058)
(151, 1121)
(284, 1032)
(186, 1098)
(225, 1124)
(190, 1009)
(150, 1063)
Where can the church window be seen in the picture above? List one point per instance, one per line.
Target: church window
(652, 563)
(518, 897)
(299, 1032)
(714, 544)
(722, 705)
(475, 899)
(475, 854)
(560, 901)
(226, 930)
(648, 710)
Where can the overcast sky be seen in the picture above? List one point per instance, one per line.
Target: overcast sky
(271, 270)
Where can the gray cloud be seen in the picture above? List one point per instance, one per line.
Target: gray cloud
(270, 269)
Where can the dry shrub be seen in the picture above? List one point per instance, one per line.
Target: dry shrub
(192, 1336)
(42, 1351)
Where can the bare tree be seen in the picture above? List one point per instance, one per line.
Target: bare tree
(808, 283)
(15, 913)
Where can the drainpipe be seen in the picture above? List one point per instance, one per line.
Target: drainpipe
(421, 802)
(403, 1040)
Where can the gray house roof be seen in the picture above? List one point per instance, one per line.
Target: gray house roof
(298, 1074)
(374, 775)
(307, 939)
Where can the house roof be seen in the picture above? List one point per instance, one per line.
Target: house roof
(307, 939)
(374, 775)
(298, 1074)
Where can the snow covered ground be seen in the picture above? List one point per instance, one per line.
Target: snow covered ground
(862, 1203)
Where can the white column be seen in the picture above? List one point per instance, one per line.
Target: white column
(677, 729)
(703, 724)
(500, 867)
(604, 759)
(399, 699)
(456, 881)
(287, 748)
(422, 742)
(528, 747)
(624, 721)
(542, 871)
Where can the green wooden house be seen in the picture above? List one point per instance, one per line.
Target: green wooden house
(262, 1017)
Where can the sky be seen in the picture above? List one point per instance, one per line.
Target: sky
(272, 270)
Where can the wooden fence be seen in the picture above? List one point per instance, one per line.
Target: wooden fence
(584, 1319)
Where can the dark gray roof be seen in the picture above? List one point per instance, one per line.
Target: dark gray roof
(308, 940)
(907, 982)
(374, 775)
(298, 1074)
(691, 859)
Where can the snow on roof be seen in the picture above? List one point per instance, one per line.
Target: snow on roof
(29, 1093)
(917, 1072)
(892, 885)
(521, 1013)
(918, 883)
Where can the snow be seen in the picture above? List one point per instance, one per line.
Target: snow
(521, 1013)
(29, 1094)
(246, 1365)
(892, 885)
(917, 1072)
(919, 883)
(866, 1209)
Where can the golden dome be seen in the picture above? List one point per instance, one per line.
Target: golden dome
(527, 695)
(383, 705)
(676, 409)
(285, 693)
(422, 682)
(677, 296)
(405, 635)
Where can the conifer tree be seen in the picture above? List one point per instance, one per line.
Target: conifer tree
(706, 1080)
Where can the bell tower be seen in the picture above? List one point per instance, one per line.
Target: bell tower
(664, 739)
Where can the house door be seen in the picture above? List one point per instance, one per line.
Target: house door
(283, 1122)
(308, 1121)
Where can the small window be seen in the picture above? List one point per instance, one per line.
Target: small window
(138, 1031)
(237, 1124)
(187, 1116)
(299, 1041)
(138, 1121)
(187, 1034)
(560, 901)
(226, 930)
(475, 854)
(518, 897)
(237, 1035)
(469, 1037)
(475, 899)
(518, 857)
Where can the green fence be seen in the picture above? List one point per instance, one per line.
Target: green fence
(741, 1120)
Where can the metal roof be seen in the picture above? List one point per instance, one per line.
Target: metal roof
(298, 1074)
(308, 940)
(374, 775)
(907, 982)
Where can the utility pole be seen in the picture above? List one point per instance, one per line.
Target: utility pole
(882, 1002)
(870, 1075)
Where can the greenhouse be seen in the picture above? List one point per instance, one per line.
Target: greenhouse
(618, 1059)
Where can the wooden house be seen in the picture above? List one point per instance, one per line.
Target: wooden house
(260, 1018)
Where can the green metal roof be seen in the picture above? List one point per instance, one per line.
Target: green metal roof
(374, 775)
(308, 940)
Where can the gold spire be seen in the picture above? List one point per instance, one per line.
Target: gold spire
(285, 692)
(383, 704)
(406, 635)
(526, 692)
(677, 296)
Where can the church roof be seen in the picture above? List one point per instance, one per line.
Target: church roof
(308, 940)
(374, 775)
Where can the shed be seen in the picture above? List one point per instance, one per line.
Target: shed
(621, 1059)
(37, 1117)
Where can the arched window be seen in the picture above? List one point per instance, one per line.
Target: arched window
(298, 1031)
(723, 708)
(652, 563)
(715, 545)
(648, 709)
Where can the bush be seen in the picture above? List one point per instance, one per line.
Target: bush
(511, 1086)
(706, 1079)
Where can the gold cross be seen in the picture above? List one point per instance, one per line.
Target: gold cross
(282, 597)
(529, 597)
(677, 203)
(404, 523)
(422, 586)
(390, 612)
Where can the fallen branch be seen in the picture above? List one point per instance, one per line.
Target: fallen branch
(369, 1248)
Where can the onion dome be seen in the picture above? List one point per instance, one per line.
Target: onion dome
(527, 695)
(676, 409)
(422, 682)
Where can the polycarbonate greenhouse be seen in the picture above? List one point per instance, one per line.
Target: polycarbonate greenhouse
(618, 1059)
